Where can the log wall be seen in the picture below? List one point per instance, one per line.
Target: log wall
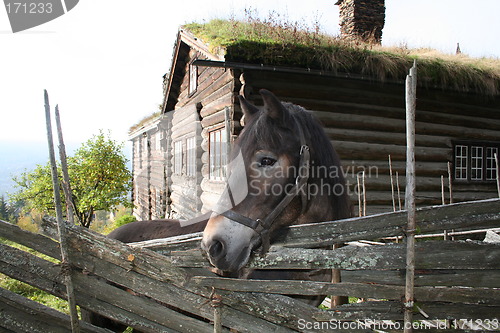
(215, 92)
(366, 123)
(151, 165)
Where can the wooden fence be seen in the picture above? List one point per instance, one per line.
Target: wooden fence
(173, 290)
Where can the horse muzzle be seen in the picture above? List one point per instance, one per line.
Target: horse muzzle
(227, 244)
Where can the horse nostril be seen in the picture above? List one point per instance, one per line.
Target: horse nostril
(216, 249)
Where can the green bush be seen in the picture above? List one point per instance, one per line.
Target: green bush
(124, 219)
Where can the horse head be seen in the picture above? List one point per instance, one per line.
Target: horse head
(270, 183)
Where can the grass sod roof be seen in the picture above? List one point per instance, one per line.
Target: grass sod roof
(276, 43)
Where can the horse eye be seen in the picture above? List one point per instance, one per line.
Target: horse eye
(267, 161)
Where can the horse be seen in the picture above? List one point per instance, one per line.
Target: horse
(285, 171)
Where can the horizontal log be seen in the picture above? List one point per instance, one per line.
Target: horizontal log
(487, 296)
(427, 277)
(215, 106)
(349, 150)
(95, 294)
(184, 115)
(327, 90)
(391, 310)
(383, 124)
(458, 216)
(19, 314)
(429, 255)
(368, 135)
(215, 91)
(32, 240)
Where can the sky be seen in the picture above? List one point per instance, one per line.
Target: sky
(103, 61)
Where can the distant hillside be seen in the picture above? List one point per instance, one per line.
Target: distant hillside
(15, 158)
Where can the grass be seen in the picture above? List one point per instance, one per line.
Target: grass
(278, 42)
(144, 121)
(28, 291)
(33, 293)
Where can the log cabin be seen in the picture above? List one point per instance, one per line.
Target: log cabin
(358, 93)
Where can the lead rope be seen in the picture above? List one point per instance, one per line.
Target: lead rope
(215, 302)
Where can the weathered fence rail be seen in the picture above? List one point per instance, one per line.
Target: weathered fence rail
(172, 288)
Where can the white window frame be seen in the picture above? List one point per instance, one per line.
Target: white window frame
(193, 78)
(475, 162)
(461, 162)
(178, 157)
(191, 156)
(218, 153)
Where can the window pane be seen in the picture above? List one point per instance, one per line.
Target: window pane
(476, 163)
(191, 156)
(491, 168)
(461, 162)
(217, 152)
(178, 157)
(193, 78)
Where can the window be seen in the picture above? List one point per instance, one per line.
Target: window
(218, 153)
(475, 161)
(178, 157)
(491, 166)
(191, 157)
(461, 162)
(193, 78)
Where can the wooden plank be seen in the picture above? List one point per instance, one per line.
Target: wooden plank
(43, 275)
(392, 310)
(487, 296)
(430, 255)
(20, 314)
(358, 150)
(427, 277)
(92, 293)
(37, 242)
(458, 216)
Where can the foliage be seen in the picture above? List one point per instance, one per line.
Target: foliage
(6, 213)
(29, 222)
(99, 180)
(275, 41)
(124, 219)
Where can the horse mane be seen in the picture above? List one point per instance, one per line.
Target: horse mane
(261, 131)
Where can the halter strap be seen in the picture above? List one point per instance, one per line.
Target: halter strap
(262, 226)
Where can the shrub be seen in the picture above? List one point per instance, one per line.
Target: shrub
(124, 219)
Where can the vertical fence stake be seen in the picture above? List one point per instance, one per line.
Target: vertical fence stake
(399, 192)
(498, 173)
(216, 301)
(65, 264)
(364, 194)
(392, 185)
(360, 207)
(449, 182)
(64, 167)
(411, 89)
(443, 201)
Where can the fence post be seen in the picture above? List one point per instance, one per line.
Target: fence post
(64, 167)
(411, 89)
(392, 185)
(65, 265)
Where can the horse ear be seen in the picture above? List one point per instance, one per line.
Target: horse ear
(273, 106)
(248, 109)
